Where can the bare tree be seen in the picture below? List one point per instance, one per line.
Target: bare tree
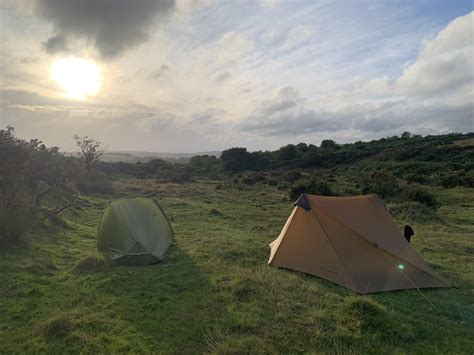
(91, 150)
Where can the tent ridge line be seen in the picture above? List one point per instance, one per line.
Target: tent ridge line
(335, 251)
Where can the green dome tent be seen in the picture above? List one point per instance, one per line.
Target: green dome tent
(134, 231)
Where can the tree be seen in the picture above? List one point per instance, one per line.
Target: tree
(329, 144)
(406, 135)
(30, 171)
(237, 159)
(91, 150)
(288, 152)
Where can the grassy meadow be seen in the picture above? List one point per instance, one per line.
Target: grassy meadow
(215, 293)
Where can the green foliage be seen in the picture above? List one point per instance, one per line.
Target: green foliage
(29, 173)
(58, 327)
(329, 144)
(91, 150)
(427, 152)
(455, 178)
(237, 159)
(92, 182)
(382, 183)
(311, 186)
(421, 195)
(205, 165)
(288, 152)
(411, 211)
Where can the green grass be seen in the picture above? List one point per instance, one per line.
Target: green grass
(215, 292)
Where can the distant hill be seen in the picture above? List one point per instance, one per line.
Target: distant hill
(143, 156)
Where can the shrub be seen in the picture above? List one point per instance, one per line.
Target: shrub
(272, 182)
(29, 173)
(315, 186)
(292, 176)
(414, 212)
(94, 183)
(253, 179)
(382, 183)
(15, 223)
(456, 178)
(418, 194)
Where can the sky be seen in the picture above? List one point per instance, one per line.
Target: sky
(205, 75)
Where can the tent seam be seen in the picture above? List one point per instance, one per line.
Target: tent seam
(335, 251)
(376, 245)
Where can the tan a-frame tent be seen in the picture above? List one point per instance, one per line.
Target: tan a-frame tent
(353, 242)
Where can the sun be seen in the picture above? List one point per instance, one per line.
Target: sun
(79, 78)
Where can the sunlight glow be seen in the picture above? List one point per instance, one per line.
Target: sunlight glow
(79, 78)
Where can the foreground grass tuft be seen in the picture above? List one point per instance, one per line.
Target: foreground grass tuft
(91, 264)
(58, 327)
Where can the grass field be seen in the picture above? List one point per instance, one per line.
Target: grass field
(215, 292)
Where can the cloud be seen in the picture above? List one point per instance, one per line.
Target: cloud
(151, 121)
(161, 71)
(297, 36)
(111, 26)
(56, 44)
(221, 77)
(231, 47)
(444, 63)
(286, 114)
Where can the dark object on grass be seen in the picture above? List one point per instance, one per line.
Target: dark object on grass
(408, 232)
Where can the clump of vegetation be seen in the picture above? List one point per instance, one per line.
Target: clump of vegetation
(93, 182)
(91, 150)
(363, 306)
(91, 264)
(382, 183)
(455, 178)
(216, 212)
(414, 211)
(420, 195)
(311, 186)
(370, 313)
(30, 172)
(245, 344)
(58, 327)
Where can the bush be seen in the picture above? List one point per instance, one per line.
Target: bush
(414, 212)
(315, 186)
(15, 223)
(253, 179)
(94, 183)
(272, 182)
(30, 172)
(454, 179)
(292, 176)
(382, 183)
(417, 194)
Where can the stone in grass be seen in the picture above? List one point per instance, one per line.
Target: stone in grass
(215, 212)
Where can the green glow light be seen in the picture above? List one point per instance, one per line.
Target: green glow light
(401, 266)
